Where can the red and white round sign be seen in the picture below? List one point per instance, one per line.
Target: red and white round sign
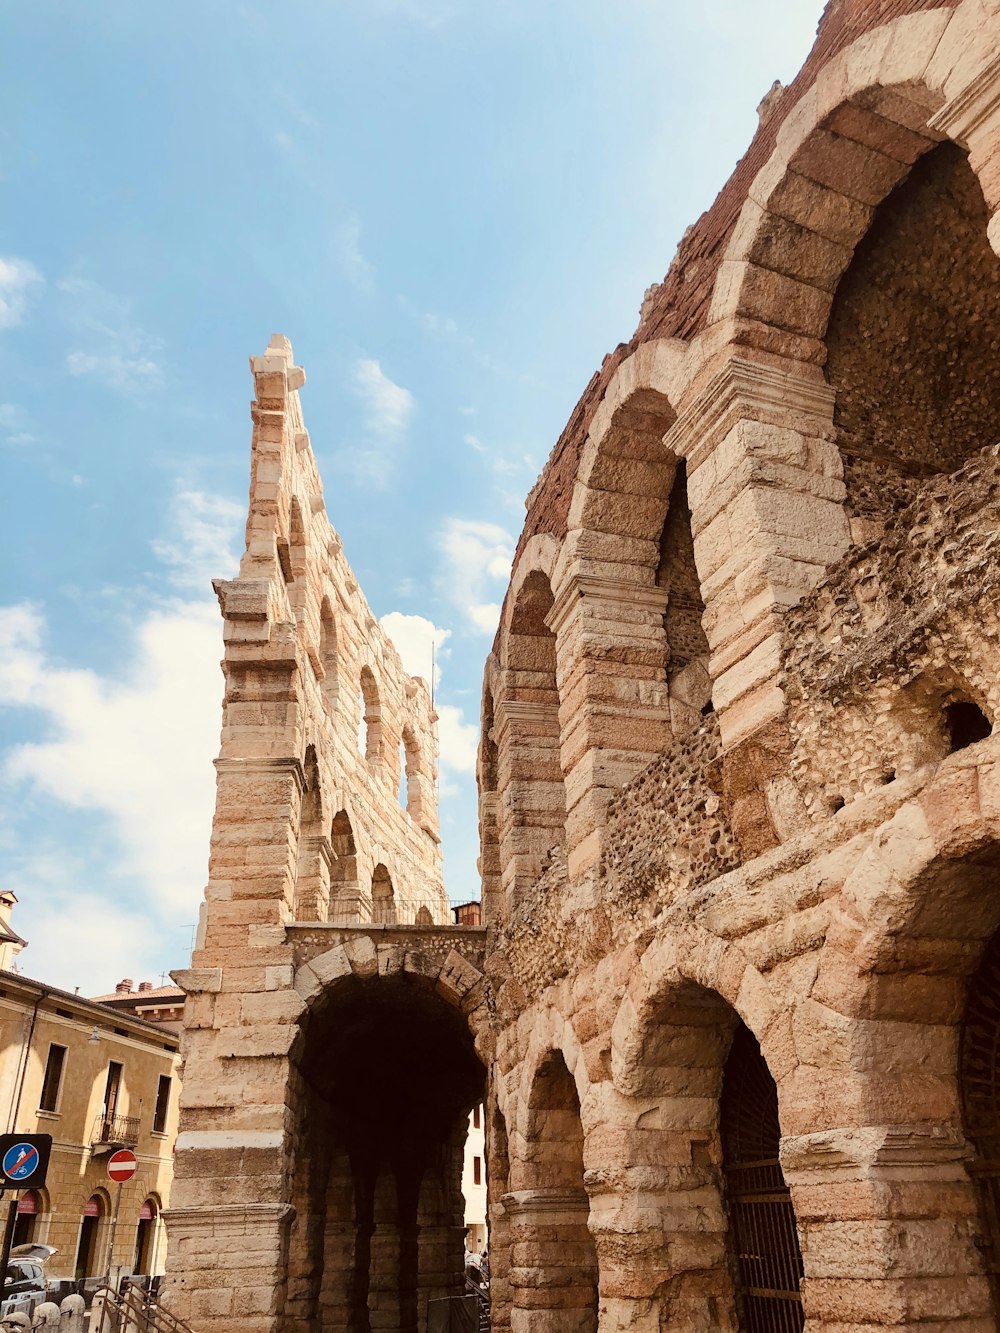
(122, 1165)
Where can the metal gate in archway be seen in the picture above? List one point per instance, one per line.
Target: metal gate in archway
(980, 1081)
(764, 1241)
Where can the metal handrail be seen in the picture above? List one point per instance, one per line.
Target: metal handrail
(134, 1310)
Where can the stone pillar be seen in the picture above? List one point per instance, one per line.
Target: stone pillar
(312, 893)
(340, 1226)
(441, 1227)
(766, 492)
(888, 1221)
(489, 856)
(383, 1277)
(532, 804)
(613, 698)
(553, 1271)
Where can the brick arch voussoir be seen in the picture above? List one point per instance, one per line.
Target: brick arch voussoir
(692, 953)
(624, 470)
(456, 979)
(848, 142)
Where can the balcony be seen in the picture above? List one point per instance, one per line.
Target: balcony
(112, 1132)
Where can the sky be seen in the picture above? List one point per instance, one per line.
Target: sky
(452, 209)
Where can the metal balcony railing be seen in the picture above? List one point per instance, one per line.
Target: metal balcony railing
(120, 1130)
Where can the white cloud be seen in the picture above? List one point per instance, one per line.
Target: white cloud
(117, 352)
(419, 641)
(352, 258)
(18, 278)
(474, 442)
(389, 406)
(477, 562)
(200, 544)
(458, 739)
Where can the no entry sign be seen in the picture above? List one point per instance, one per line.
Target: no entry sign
(122, 1165)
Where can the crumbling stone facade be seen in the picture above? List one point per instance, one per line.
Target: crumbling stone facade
(737, 1005)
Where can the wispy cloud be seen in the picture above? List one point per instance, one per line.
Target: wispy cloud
(116, 350)
(15, 425)
(18, 279)
(201, 542)
(477, 559)
(353, 261)
(419, 642)
(389, 406)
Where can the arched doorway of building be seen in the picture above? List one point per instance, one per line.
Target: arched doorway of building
(29, 1209)
(386, 1080)
(763, 1238)
(88, 1246)
(145, 1238)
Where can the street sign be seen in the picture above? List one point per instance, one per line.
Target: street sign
(122, 1165)
(24, 1159)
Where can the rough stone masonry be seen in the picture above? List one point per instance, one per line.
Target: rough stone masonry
(736, 1008)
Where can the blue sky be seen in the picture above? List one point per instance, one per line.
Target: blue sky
(453, 210)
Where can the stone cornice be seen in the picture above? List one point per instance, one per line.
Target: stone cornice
(264, 764)
(970, 109)
(594, 588)
(229, 1216)
(871, 1150)
(743, 388)
(508, 712)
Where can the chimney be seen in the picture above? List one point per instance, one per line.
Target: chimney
(144, 986)
(124, 987)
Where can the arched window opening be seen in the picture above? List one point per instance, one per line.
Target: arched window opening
(911, 340)
(370, 722)
(555, 1172)
(312, 883)
(328, 653)
(764, 1239)
(297, 541)
(383, 897)
(345, 892)
(534, 817)
(424, 917)
(967, 724)
(687, 645)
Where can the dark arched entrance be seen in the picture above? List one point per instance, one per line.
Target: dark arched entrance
(980, 1086)
(387, 1079)
(763, 1237)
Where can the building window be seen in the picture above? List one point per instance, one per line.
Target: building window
(52, 1081)
(477, 1170)
(476, 1119)
(162, 1104)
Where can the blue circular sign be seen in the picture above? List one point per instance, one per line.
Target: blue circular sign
(20, 1161)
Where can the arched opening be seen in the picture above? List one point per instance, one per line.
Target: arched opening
(328, 654)
(312, 883)
(345, 890)
(388, 1077)
(966, 724)
(912, 340)
(532, 790)
(763, 1236)
(370, 722)
(89, 1245)
(555, 1200)
(932, 717)
(144, 1260)
(383, 897)
(689, 684)
(30, 1208)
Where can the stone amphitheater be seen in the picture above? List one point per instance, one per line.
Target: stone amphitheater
(735, 1007)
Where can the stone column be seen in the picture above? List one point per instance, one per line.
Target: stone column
(383, 1279)
(340, 1227)
(532, 807)
(613, 697)
(312, 894)
(766, 492)
(553, 1273)
(887, 1217)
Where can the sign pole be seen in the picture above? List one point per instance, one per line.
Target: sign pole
(8, 1239)
(114, 1228)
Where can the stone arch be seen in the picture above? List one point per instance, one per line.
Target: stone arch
(532, 794)
(384, 1074)
(553, 1198)
(384, 902)
(329, 654)
(371, 740)
(312, 881)
(676, 1042)
(347, 903)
